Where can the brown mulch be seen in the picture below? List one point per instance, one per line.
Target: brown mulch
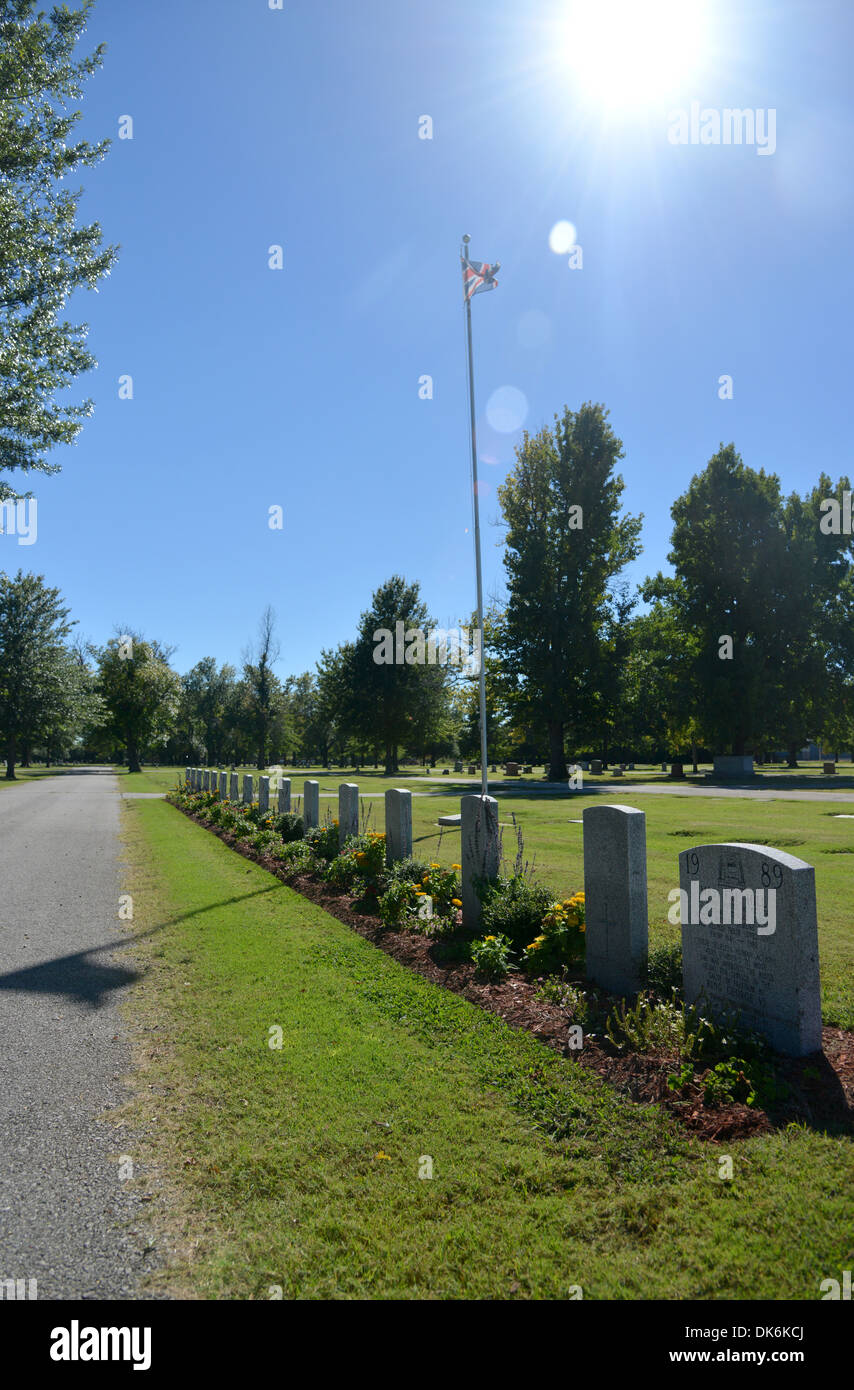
(818, 1090)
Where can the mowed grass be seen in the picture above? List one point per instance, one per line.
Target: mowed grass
(299, 1167)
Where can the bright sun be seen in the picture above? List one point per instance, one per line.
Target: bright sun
(633, 52)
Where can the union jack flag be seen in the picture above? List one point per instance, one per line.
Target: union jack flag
(478, 276)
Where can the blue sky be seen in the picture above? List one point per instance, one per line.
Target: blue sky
(299, 387)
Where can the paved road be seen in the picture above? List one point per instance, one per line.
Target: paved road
(66, 1218)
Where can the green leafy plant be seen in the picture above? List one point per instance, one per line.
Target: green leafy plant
(652, 1025)
(323, 840)
(577, 1003)
(664, 971)
(729, 1081)
(289, 825)
(513, 907)
(561, 940)
(398, 903)
(492, 956)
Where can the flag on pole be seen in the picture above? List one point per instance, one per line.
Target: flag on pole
(478, 276)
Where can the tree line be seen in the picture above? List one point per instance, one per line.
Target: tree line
(746, 647)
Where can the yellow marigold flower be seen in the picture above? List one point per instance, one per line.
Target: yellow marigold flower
(489, 938)
(456, 866)
(456, 902)
(435, 866)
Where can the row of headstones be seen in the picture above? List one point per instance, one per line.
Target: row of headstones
(398, 804)
(762, 968)
(748, 919)
(480, 851)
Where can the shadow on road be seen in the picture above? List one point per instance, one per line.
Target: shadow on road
(86, 980)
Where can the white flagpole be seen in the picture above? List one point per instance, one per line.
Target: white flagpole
(484, 786)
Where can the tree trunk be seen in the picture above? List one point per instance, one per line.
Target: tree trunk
(694, 757)
(133, 754)
(11, 754)
(793, 755)
(391, 764)
(557, 757)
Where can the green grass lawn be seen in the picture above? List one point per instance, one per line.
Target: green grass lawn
(299, 1167)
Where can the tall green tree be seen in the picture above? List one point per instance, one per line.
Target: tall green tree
(44, 254)
(389, 704)
(207, 691)
(263, 697)
(33, 629)
(141, 693)
(765, 600)
(566, 543)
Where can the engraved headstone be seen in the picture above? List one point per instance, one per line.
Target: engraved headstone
(263, 793)
(348, 811)
(223, 786)
(512, 770)
(310, 804)
(615, 897)
(750, 941)
(187, 775)
(247, 789)
(284, 795)
(596, 766)
(206, 780)
(479, 850)
(398, 824)
(233, 786)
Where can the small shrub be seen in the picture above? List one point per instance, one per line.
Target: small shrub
(398, 903)
(561, 940)
(664, 971)
(514, 908)
(443, 886)
(491, 956)
(295, 857)
(290, 826)
(408, 870)
(323, 840)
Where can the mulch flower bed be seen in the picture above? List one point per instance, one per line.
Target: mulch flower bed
(819, 1090)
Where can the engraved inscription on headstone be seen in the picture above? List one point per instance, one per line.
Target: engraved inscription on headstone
(750, 941)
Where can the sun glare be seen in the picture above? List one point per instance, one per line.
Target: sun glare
(633, 52)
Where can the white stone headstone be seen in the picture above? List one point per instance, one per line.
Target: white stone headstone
(206, 780)
(615, 897)
(348, 811)
(398, 824)
(233, 786)
(223, 786)
(310, 804)
(480, 850)
(750, 941)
